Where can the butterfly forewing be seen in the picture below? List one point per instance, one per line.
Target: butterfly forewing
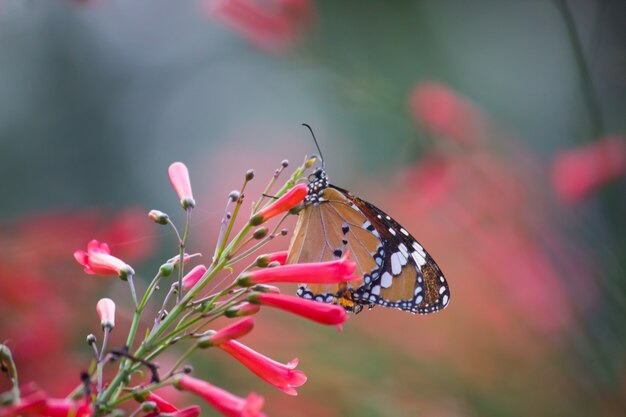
(395, 269)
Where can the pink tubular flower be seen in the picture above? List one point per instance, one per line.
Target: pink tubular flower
(226, 403)
(234, 331)
(61, 407)
(106, 312)
(179, 177)
(323, 313)
(578, 172)
(331, 272)
(288, 201)
(241, 310)
(99, 261)
(193, 277)
(282, 376)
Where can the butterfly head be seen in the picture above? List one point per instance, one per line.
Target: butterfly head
(318, 181)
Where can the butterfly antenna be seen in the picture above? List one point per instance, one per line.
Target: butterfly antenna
(315, 140)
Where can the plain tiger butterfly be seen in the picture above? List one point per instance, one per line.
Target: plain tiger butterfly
(395, 270)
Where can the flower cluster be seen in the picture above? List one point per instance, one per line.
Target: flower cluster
(186, 312)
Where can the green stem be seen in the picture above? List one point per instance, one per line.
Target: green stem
(131, 284)
(182, 359)
(586, 80)
(181, 263)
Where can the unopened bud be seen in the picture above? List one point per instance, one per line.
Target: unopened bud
(148, 406)
(249, 174)
(284, 163)
(234, 195)
(91, 339)
(5, 354)
(187, 369)
(284, 232)
(262, 261)
(260, 233)
(166, 269)
(273, 264)
(245, 280)
(158, 217)
(106, 312)
(266, 288)
(309, 162)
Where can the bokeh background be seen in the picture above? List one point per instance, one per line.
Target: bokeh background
(492, 130)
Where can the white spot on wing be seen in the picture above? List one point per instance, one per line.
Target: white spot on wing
(419, 259)
(396, 266)
(404, 232)
(386, 280)
(393, 232)
(445, 299)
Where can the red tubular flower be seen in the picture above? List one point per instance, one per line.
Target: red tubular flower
(241, 310)
(280, 257)
(164, 405)
(323, 313)
(193, 277)
(332, 272)
(288, 201)
(179, 177)
(226, 403)
(99, 261)
(32, 404)
(106, 312)
(186, 258)
(234, 331)
(282, 376)
(61, 407)
(578, 172)
(192, 411)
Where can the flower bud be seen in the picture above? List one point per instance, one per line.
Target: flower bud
(148, 406)
(309, 162)
(187, 369)
(249, 175)
(234, 195)
(91, 339)
(284, 163)
(262, 261)
(166, 269)
(260, 233)
(158, 216)
(179, 177)
(266, 288)
(106, 311)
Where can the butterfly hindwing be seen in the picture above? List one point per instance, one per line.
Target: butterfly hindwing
(409, 278)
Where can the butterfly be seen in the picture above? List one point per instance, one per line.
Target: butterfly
(396, 271)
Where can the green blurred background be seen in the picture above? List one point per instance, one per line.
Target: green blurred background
(98, 97)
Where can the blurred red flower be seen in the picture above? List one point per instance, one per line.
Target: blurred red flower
(36, 276)
(273, 26)
(576, 173)
(443, 112)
